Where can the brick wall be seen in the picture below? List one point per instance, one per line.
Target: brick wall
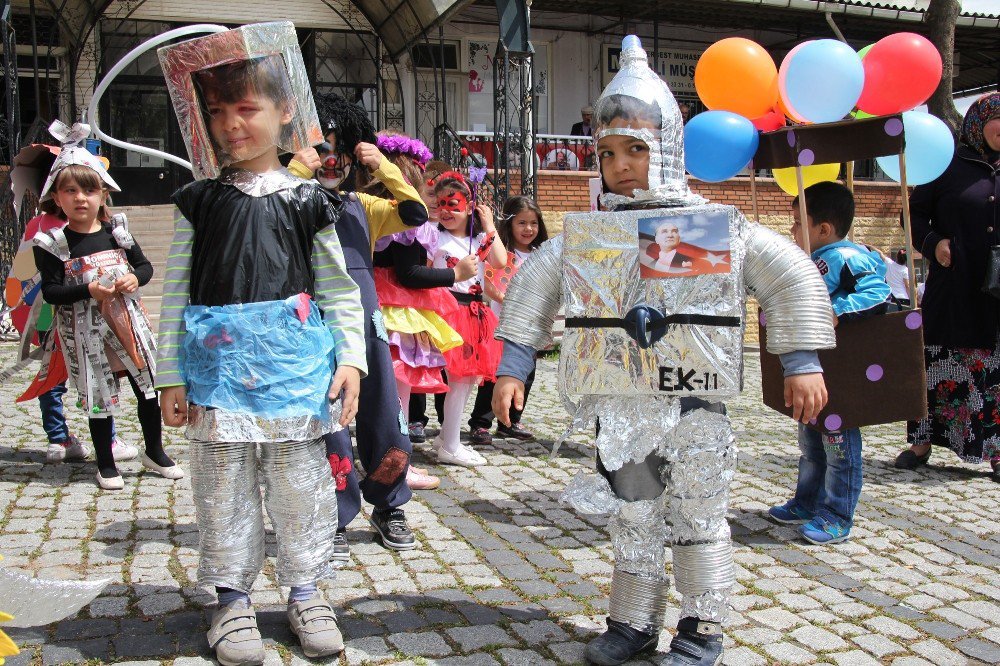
(876, 222)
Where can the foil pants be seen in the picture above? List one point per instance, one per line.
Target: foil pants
(301, 502)
(678, 494)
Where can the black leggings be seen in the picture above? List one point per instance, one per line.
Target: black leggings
(152, 432)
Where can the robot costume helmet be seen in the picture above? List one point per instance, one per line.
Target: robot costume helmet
(636, 93)
(74, 151)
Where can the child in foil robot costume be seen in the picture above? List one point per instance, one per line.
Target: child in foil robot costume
(255, 251)
(648, 359)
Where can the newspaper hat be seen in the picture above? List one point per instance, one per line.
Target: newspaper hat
(262, 59)
(73, 151)
(636, 93)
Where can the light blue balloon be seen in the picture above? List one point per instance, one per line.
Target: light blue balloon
(823, 80)
(717, 144)
(930, 147)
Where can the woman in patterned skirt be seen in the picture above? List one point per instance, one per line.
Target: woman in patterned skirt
(956, 220)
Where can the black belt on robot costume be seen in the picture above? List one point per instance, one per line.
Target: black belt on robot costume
(645, 324)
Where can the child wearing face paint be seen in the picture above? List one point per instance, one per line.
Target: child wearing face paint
(522, 231)
(381, 434)
(466, 230)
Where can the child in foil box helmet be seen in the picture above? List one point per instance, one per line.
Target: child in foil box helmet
(261, 333)
(648, 356)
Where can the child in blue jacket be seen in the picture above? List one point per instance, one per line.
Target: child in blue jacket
(830, 465)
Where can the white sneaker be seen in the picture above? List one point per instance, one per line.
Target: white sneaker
(71, 449)
(122, 450)
(463, 456)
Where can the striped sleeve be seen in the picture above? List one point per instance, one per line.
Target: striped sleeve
(339, 298)
(176, 292)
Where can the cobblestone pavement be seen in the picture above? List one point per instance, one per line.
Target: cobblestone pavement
(505, 574)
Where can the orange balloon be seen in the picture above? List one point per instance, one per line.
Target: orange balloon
(738, 75)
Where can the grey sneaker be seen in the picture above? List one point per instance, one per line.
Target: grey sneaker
(341, 549)
(234, 635)
(314, 622)
(71, 449)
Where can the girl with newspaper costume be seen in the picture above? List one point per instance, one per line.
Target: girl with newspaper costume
(647, 359)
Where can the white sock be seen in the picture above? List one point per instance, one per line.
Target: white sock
(458, 394)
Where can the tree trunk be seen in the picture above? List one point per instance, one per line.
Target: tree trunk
(941, 18)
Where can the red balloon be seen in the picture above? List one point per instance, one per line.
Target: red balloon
(901, 72)
(770, 121)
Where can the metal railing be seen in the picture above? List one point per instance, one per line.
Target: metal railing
(559, 152)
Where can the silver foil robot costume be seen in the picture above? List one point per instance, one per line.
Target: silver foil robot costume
(648, 358)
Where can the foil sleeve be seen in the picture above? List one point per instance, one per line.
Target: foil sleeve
(790, 291)
(533, 298)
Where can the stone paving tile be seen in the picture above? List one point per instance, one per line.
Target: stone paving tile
(507, 574)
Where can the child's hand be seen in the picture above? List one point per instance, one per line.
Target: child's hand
(127, 284)
(486, 218)
(805, 394)
(466, 268)
(100, 293)
(174, 406)
(507, 390)
(309, 158)
(348, 380)
(942, 252)
(369, 155)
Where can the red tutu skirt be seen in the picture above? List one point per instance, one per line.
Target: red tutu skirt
(479, 354)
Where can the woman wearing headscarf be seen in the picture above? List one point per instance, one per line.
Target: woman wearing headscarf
(955, 222)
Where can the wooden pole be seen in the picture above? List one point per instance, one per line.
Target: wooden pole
(753, 193)
(850, 185)
(912, 279)
(803, 213)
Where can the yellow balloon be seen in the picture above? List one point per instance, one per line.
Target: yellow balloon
(812, 174)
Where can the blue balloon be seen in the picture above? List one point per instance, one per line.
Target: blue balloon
(930, 147)
(822, 80)
(717, 144)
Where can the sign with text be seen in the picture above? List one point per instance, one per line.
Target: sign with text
(675, 66)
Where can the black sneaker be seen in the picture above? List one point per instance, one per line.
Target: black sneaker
(417, 435)
(515, 431)
(910, 460)
(480, 436)
(392, 529)
(341, 549)
(619, 644)
(697, 643)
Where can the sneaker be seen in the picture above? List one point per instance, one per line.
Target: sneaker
(122, 450)
(418, 479)
(463, 456)
(341, 549)
(790, 513)
(619, 644)
(480, 436)
(697, 643)
(314, 622)
(392, 529)
(515, 431)
(234, 635)
(417, 435)
(71, 449)
(821, 531)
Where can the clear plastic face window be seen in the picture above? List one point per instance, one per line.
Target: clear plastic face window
(678, 246)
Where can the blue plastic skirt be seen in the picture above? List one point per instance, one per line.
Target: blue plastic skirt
(273, 359)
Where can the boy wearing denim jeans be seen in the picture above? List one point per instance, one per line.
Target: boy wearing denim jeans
(830, 465)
